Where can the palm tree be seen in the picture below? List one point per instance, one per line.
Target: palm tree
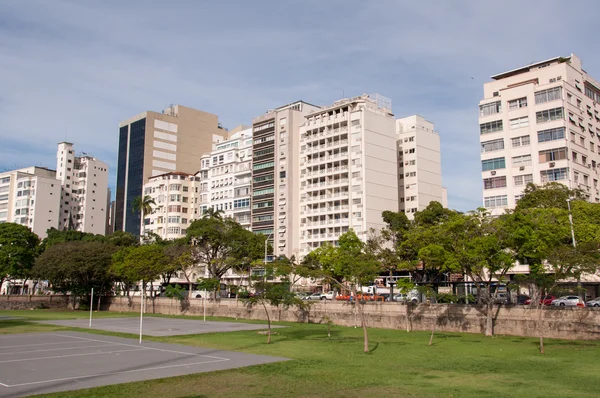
(211, 212)
(143, 205)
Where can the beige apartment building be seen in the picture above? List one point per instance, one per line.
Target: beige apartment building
(84, 182)
(539, 123)
(348, 169)
(152, 144)
(419, 165)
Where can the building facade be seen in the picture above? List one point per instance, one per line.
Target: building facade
(419, 165)
(176, 204)
(276, 175)
(226, 176)
(30, 197)
(84, 181)
(152, 144)
(538, 124)
(348, 170)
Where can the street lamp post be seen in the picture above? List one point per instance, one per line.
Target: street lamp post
(574, 243)
(266, 245)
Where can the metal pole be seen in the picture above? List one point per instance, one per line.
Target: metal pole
(574, 245)
(204, 304)
(91, 306)
(141, 312)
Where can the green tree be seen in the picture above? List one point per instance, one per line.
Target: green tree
(76, 267)
(143, 205)
(143, 263)
(54, 236)
(18, 251)
(221, 244)
(356, 267)
(552, 195)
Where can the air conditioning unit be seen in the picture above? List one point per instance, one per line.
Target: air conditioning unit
(522, 168)
(493, 173)
(552, 164)
(589, 165)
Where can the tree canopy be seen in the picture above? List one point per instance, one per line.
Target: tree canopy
(18, 250)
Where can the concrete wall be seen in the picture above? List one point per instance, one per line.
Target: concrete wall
(8, 302)
(564, 323)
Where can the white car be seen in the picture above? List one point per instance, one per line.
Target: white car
(593, 303)
(568, 301)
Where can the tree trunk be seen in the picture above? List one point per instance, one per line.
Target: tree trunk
(365, 332)
(541, 326)
(432, 331)
(268, 323)
(489, 320)
(408, 312)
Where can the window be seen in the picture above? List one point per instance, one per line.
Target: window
(518, 103)
(524, 160)
(262, 152)
(495, 201)
(551, 155)
(490, 109)
(549, 115)
(551, 134)
(493, 164)
(494, 182)
(491, 146)
(491, 127)
(550, 94)
(554, 174)
(261, 205)
(173, 219)
(241, 203)
(266, 165)
(523, 179)
(263, 191)
(519, 122)
(264, 139)
(175, 198)
(282, 174)
(266, 217)
(520, 141)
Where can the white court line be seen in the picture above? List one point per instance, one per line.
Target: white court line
(55, 349)
(66, 356)
(147, 348)
(112, 373)
(4, 385)
(38, 344)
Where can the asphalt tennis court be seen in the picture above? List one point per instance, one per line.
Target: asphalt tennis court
(39, 363)
(158, 326)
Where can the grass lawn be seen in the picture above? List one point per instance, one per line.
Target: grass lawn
(400, 364)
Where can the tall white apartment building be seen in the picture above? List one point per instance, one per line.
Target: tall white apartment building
(84, 180)
(176, 204)
(539, 123)
(226, 177)
(419, 165)
(348, 170)
(30, 197)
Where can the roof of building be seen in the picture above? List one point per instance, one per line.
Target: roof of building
(527, 68)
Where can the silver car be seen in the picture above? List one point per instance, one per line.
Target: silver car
(567, 301)
(593, 303)
(314, 296)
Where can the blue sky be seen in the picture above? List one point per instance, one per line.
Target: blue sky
(75, 69)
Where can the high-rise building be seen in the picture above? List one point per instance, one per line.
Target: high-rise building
(84, 181)
(276, 175)
(152, 144)
(226, 176)
(30, 197)
(175, 197)
(348, 169)
(223, 183)
(539, 123)
(419, 164)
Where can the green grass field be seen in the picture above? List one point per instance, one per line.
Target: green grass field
(400, 364)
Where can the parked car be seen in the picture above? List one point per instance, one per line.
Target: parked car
(546, 300)
(330, 295)
(568, 301)
(403, 297)
(314, 296)
(593, 303)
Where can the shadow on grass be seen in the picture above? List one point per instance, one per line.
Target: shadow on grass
(372, 350)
